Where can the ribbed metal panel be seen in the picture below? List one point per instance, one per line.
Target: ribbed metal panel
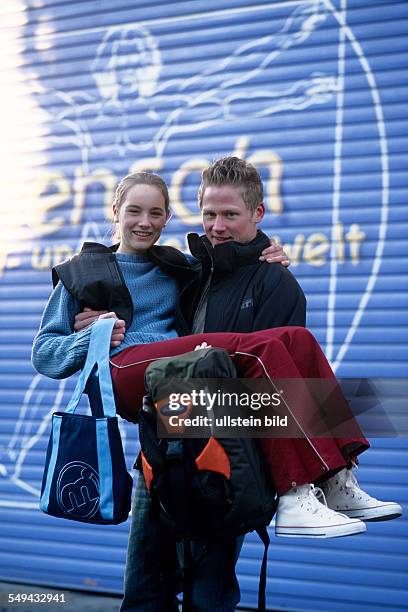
(315, 94)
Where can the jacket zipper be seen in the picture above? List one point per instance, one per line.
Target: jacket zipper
(206, 288)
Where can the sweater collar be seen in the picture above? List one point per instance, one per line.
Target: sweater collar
(132, 257)
(226, 257)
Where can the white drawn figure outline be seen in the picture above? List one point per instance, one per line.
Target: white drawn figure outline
(179, 106)
(78, 492)
(148, 54)
(218, 93)
(23, 441)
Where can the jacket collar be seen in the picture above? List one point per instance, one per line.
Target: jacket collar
(168, 258)
(226, 257)
(96, 247)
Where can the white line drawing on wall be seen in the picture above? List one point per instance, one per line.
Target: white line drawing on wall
(337, 359)
(42, 398)
(28, 431)
(127, 69)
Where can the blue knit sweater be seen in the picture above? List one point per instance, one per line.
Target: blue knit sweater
(58, 352)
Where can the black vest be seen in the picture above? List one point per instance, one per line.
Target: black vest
(95, 279)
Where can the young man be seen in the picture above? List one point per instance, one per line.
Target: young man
(240, 294)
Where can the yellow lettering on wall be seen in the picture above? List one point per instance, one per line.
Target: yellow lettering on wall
(315, 249)
(294, 251)
(192, 165)
(51, 255)
(7, 261)
(355, 236)
(62, 252)
(268, 159)
(81, 182)
(49, 201)
(273, 163)
(41, 261)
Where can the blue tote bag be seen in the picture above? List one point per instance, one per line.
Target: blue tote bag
(85, 476)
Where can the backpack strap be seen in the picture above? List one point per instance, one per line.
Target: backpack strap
(187, 576)
(263, 534)
(177, 484)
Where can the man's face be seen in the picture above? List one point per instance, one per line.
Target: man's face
(227, 217)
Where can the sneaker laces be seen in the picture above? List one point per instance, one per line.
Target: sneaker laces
(319, 495)
(314, 495)
(318, 501)
(351, 482)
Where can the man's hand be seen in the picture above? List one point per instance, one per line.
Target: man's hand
(203, 345)
(275, 254)
(88, 316)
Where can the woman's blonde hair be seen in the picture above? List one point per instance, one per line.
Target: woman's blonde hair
(140, 178)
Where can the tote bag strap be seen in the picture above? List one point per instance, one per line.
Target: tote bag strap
(98, 355)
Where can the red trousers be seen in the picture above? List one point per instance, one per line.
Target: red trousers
(282, 352)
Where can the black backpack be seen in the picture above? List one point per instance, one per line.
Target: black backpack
(203, 487)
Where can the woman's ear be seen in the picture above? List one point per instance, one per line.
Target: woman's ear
(169, 216)
(115, 213)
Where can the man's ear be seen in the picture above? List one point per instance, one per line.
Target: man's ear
(259, 212)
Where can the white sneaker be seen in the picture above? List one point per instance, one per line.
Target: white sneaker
(344, 494)
(301, 515)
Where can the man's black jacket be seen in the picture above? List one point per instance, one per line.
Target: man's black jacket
(245, 294)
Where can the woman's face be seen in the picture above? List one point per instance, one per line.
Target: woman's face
(141, 217)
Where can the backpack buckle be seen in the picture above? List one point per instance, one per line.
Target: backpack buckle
(174, 450)
(148, 404)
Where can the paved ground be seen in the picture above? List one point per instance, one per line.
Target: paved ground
(76, 601)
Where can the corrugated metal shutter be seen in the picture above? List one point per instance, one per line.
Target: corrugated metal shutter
(315, 93)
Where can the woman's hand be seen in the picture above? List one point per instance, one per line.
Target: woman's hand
(275, 254)
(118, 332)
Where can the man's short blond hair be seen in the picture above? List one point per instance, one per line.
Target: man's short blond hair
(237, 173)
